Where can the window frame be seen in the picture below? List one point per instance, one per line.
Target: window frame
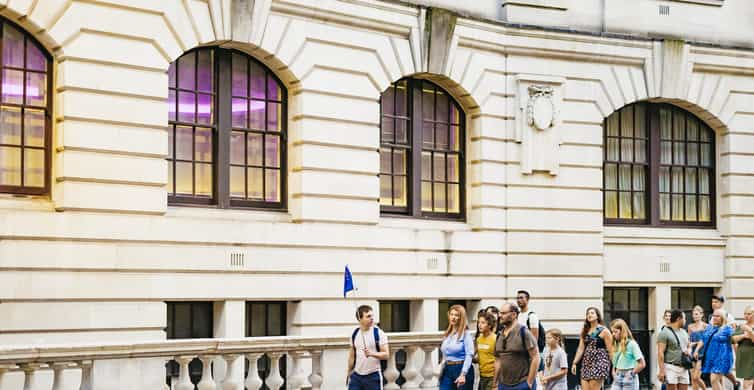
(399, 306)
(652, 181)
(21, 189)
(413, 161)
(222, 126)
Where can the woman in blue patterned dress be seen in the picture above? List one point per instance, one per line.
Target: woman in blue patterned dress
(717, 349)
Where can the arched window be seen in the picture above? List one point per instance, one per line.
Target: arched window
(25, 109)
(227, 131)
(421, 151)
(659, 167)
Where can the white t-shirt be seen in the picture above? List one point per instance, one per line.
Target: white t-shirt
(533, 319)
(364, 365)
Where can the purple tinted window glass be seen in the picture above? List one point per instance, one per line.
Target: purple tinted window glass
(205, 109)
(258, 76)
(13, 86)
(204, 70)
(171, 75)
(272, 151)
(273, 116)
(240, 112)
(171, 105)
(186, 106)
(237, 148)
(36, 89)
(256, 115)
(254, 149)
(240, 79)
(13, 47)
(187, 71)
(273, 89)
(184, 140)
(35, 60)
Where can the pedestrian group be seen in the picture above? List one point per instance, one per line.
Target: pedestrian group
(513, 351)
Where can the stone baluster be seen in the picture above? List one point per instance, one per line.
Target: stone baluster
(391, 372)
(87, 379)
(30, 375)
(207, 382)
(274, 380)
(58, 381)
(428, 370)
(3, 370)
(316, 376)
(296, 377)
(411, 372)
(184, 378)
(253, 381)
(231, 381)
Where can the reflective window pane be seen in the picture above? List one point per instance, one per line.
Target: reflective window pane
(13, 86)
(203, 177)
(258, 78)
(13, 46)
(10, 125)
(611, 204)
(205, 110)
(237, 148)
(186, 107)
(399, 191)
(255, 183)
(36, 89)
(205, 74)
(257, 115)
(386, 190)
(237, 182)
(34, 127)
(184, 178)
(203, 145)
(273, 89)
(272, 184)
(187, 71)
(10, 166)
(272, 151)
(255, 146)
(184, 139)
(239, 113)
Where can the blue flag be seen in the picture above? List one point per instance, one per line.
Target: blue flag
(347, 282)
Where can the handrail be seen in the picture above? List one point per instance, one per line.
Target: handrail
(170, 348)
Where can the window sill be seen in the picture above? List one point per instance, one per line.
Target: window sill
(26, 202)
(212, 212)
(717, 3)
(410, 222)
(635, 235)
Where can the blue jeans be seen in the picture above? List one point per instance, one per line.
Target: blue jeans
(521, 386)
(372, 381)
(625, 380)
(449, 375)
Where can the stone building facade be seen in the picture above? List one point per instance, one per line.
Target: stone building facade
(157, 201)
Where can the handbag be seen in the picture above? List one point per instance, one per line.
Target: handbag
(686, 361)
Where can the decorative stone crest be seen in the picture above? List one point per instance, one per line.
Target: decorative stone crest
(540, 111)
(537, 122)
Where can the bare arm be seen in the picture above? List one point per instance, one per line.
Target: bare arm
(351, 360)
(661, 361)
(533, 365)
(640, 365)
(384, 353)
(497, 372)
(563, 372)
(607, 337)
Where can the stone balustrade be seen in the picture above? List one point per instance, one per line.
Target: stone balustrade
(222, 361)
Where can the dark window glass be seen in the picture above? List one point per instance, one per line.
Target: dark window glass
(266, 319)
(658, 167)
(685, 298)
(188, 320)
(225, 108)
(25, 108)
(444, 306)
(632, 305)
(421, 151)
(395, 316)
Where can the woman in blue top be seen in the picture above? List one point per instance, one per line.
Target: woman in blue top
(457, 350)
(717, 350)
(696, 335)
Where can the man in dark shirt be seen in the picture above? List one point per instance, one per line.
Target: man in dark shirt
(516, 355)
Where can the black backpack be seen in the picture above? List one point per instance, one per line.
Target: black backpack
(540, 336)
(383, 363)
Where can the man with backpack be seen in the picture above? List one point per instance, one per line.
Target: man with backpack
(529, 319)
(369, 349)
(516, 356)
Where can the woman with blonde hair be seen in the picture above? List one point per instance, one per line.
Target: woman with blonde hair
(696, 333)
(628, 361)
(717, 349)
(458, 351)
(744, 338)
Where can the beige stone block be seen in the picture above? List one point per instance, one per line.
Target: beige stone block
(488, 218)
(497, 103)
(578, 111)
(738, 204)
(560, 309)
(111, 79)
(110, 137)
(309, 156)
(739, 266)
(112, 197)
(338, 210)
(489, 150)
(741, 122)
(743, 164)
(81, 316)
(561, 287)
(736, 185)
(554, 198)
(487, 172)
(568, 176)
(553, 265)
(338, 108)
(83, 337)
(736, 143)
(737, 306)
(634, 263)
(340, 312)
(741, 287)
(340, 81)
(492, 127)
(314, 130)
(335, 184)
(112, 108)
(84, 165)
(488, 195)
(199, 11)
(550, 220)
(488, 241)
(554, 243)
(581, 133)
(482, 264)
